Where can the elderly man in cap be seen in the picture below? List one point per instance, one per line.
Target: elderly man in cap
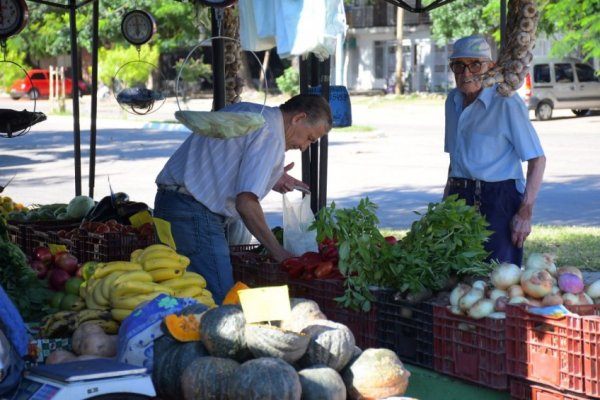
(488, 137)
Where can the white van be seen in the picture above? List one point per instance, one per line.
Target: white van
(565, 83)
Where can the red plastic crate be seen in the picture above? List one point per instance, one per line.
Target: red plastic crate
(37, 238)
(473, 350)
(591, 355)
(324, 292)
(546, 350)
(405, 327)
(111, 246)
(254, 269)
(520, 389)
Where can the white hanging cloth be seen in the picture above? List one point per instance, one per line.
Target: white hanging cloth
(257, 24)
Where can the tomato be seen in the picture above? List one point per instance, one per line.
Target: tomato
(391, 240)
(311, 260)
(291, 262)
(296, 271)
(324, 269)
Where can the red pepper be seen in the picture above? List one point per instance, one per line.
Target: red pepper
(291, 262)
(324, 269)
(296, 271)
(311, 260)
(307, 276)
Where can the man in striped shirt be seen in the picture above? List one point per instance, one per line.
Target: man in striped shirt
(208, 182)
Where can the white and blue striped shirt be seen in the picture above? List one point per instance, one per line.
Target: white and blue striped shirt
(215, 171)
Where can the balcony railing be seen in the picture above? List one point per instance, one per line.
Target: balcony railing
(382, 13)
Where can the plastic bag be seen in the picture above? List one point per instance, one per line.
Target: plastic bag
(297, 217)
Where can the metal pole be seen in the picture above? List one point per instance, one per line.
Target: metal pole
(324, 141)
(218, 63)
(75, 95)
(303, 73)
(314, 148)
(502, 23)
(94, 94)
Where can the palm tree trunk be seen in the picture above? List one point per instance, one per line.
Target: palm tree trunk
(399, 87)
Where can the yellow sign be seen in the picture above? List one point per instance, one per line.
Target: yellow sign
(57, 248)
(140, 218)
(163, 230)
(265, 303)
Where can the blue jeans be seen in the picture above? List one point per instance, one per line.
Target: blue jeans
(500, 201)
(199, 234)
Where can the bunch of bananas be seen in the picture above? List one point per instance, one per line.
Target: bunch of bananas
(64, 323)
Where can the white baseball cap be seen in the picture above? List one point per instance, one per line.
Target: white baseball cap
(474, 46)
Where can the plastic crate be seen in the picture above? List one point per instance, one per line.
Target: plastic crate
(591, 355)
(520, 389)
(111, 246)
(404, 327)
(547, 350)
(37, 239)
(254, 269)
(324, 292)
(469, 349)
(16, 234)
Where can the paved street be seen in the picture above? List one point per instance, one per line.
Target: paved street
(394, 155)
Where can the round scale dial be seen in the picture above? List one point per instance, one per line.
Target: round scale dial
(13, 17)
(138, 26)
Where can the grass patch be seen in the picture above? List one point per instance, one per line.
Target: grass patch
(572, 245)
(353, 129)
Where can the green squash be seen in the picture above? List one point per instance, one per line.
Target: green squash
(332, 344)
(166, 377)
(271, 341)
(376, 374)
(208, 378)
(265, 378)
(222, 332)
(322, 383)
(303, 312)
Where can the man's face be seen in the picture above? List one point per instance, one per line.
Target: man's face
(467, 72)
(301, 134)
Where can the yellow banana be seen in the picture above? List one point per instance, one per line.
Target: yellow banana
(163, 274)
(206, 301)
(191, 291)
(162, 262)
(154, 250)
(141, 276)
(83, 289)
(113, 266)
(131, 288)
(98, 297)
(157, 246)
(92, 315)
(135, 255)
(111, 326)
(119, 314)
(131, 302)
(185, 281)
(184, 261)
(108, 283)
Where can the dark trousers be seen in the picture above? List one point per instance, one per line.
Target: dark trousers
(498, 203)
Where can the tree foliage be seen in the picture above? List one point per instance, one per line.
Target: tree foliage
(574, 24)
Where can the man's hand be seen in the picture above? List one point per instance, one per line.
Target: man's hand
(521, 226)
(287, 183)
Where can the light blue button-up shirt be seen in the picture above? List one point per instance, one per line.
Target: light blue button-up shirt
(491, 138)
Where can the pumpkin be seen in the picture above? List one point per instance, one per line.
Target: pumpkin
(222, 332)
(376, 374)
(271, 341)
(208, 378)
(82, 331)
(197, 309)
(166, 375)
(322, 383)
(232, 296)
(265, 378)
(303, 312)
(332, 344)
(185, 328)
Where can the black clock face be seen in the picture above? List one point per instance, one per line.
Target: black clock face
(13, 17)
(138, 27)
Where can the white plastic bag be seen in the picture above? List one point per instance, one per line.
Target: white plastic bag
(297, 217)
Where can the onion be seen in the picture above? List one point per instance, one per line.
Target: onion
(552, 299)
(497, 315)
(455, 310)
(518, 300)
(571, 299)
(534, 302)
(481, 285)
(570, 270)
(470, 298)
(541, 261)
(481, 309)
(495, 293)
(536, 283)
(570, 283)
(593, 289)
(500, 303)
(555, 290)
(505, 275)
(459, 291)
(515, 291)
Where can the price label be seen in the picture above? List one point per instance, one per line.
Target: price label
(265, 303)
(163, 230)
(57, 248)
(140, 218)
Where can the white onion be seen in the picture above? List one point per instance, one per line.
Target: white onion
(459, 291)
(570, 270)
(481, 309)
(500, 303)
(497, 315)
(481, 285)
(470, 298)
(571, 299)
(518, 300)
(536, 283)
(515, 291)
(534, 302)
(505, 275)
(593, 289)
(455, 310)
(552, 299)
(495, 293)
(541, 261)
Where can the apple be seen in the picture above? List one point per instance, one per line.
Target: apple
(57, 278)
(43, 254)
(66, 261)
(41, 269)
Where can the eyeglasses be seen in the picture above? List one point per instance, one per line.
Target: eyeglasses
(459, 67)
